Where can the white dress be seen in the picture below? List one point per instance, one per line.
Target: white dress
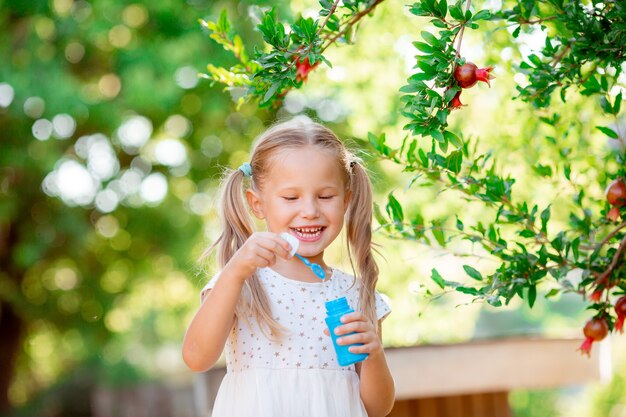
(300, 376)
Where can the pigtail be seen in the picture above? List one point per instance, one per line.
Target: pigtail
(237, 227)
(236, 222)
(359, 234)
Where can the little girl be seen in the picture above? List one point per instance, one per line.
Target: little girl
(267, 307)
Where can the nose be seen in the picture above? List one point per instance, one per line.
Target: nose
(310, 208)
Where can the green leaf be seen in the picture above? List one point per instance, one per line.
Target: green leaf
(532, 295)
(431, 39)
(434, 275)
(424, 47)
(618, 103)
(473, 273)
(456, 12)
(552, 292)
(468, 290)
(545, 216)
(455, 160)
(459, 224)
(452, 138)
(395, 209)
(591, 86)
(543, 170)
(270, 92)
(437, 135)
(380, 218)
(443, 8)
(606, 105)
(438, 234)
(482, 15)
(526, 233)
(575, 245)
(608, 131)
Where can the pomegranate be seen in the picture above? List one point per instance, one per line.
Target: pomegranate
(455, 103)
(596, 295)
(620, 309)
(595, 330)
(616, 193)
(613, 214)
(468, 74)
(303, 67)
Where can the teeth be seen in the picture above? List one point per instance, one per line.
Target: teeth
(308, 230)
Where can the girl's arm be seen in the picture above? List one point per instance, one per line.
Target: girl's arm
(209, 328)
(376, 387)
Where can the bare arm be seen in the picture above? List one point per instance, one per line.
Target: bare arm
(376, 386)
(209, 328)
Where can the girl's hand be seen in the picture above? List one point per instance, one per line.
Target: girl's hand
(365, 333)
(259, 251)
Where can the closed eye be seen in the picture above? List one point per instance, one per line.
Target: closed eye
(326, 197)
(290, 198)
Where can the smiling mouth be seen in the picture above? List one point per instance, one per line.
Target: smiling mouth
(308, 232)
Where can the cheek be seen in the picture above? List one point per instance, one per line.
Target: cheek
(337, 211)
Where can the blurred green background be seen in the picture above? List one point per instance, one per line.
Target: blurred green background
(110, 152)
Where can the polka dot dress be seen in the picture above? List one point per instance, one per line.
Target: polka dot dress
(299, 374)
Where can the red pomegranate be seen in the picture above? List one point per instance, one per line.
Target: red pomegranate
(303, 67)
(595, 330)
(596, 295)
(616, 193)
(455, 103)
(468, 74)
(613, 214)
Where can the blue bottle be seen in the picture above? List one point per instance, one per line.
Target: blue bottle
(334, 310)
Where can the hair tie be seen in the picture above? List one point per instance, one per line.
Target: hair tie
(246, 168)
(352, 164)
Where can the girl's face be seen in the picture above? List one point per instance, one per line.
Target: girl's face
(304, 194)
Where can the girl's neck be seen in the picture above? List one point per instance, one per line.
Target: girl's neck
(296, 269)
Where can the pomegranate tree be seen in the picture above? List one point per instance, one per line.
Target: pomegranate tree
(530, 244)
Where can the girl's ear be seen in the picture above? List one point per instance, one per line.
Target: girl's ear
(254, 201)
(346, 200)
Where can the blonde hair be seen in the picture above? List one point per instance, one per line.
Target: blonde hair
(238, 224)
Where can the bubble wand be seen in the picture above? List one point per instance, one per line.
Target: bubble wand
(295, 243)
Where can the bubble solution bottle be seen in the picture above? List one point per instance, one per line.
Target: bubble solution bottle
(334, 310)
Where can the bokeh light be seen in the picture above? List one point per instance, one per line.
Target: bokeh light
(134, 133)
(42, 129)
(74, 52)
(211, 146)
(170, 152)
(120, 36)
(186, 77)
(34, 107)
(6, 95)
(107, 201)
(64, 126)
(110, 85)
(154, 188)
(72, 182)
(177, 126)
(135, 15)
